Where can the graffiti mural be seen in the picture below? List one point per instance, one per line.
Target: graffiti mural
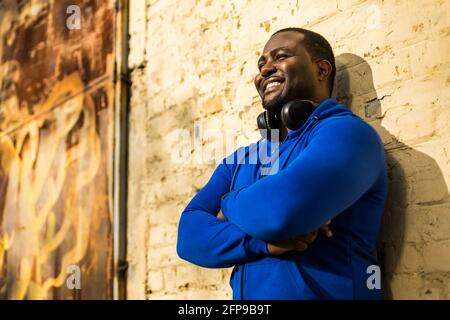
(56, 149)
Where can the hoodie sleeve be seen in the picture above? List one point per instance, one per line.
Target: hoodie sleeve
(205, 240)
(343, 159)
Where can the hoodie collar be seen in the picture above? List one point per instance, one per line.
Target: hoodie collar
(327, 108)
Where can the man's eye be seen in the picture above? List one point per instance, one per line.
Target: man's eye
(261, 65)
(281, 56)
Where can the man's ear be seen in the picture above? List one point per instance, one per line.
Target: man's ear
(324, 69)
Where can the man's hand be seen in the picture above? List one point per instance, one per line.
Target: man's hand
(220, 216)
(299, 243)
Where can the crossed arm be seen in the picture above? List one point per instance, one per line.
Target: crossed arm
(205, 240)
(342, 161)
(205, 237)
(340, 164)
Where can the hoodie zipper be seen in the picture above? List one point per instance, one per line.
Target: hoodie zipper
(309, 125)
(314, 120)
(243, 281)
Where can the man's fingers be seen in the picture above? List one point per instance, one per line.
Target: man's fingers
(326, 231)
(299, 245)
(220, 216)
(307, 238)
(276, 249)
(310, 237)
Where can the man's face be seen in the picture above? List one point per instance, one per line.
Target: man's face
(287, 71)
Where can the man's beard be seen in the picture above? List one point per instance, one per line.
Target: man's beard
(275, 104)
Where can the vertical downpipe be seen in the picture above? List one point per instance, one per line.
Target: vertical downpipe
(121, 106)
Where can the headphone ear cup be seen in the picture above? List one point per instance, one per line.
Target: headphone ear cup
(266, 122)
(295, 113)
(263, 125)
(261, 121)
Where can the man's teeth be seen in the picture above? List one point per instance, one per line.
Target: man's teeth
(272, 84)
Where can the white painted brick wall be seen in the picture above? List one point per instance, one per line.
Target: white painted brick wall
(194, 61)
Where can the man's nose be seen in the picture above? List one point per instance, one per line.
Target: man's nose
(268, 69)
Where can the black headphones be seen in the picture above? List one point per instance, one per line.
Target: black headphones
(293, 115)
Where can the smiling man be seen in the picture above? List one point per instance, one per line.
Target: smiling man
(332, 168)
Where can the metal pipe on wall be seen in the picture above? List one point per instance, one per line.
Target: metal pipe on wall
(122, 94)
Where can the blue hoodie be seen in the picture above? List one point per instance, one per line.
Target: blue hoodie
(333, 167)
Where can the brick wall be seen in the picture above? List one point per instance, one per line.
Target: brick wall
(193, 64)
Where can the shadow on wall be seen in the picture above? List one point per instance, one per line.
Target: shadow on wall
(354, 87)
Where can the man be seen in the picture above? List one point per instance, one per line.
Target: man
(331, 169)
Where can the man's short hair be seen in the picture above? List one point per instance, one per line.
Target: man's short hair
(319, 48)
